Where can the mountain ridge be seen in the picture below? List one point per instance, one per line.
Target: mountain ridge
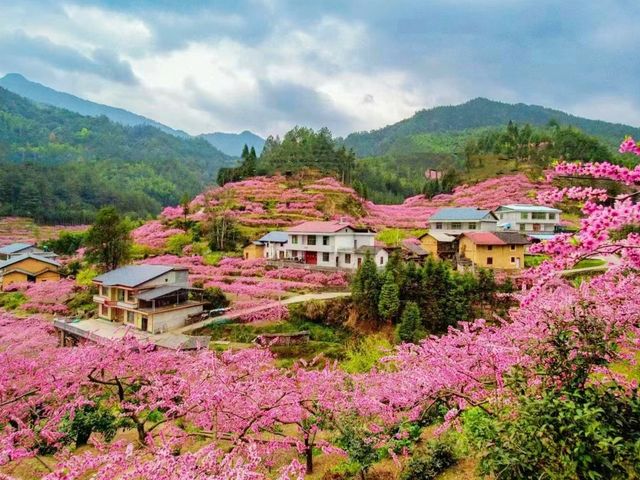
(232, 143)
(479, 112)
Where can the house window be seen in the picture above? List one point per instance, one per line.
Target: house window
(472, 226)
(294, 239)
(325, 240)
(552, 216)
(524, 215)
(311, 240)
(513, 247)
(347, 258)
(522, 227)
(538, 216)
(489, 260)
(130, 317)
(381, 260)
(120, 295)
(513, 259)
(489, 247)
(456, 226)
(438, 225)
(325, 256)
(103, 310)
(536, 227)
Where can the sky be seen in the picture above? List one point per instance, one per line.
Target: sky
(268, 65)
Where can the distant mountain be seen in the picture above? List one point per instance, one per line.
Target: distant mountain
(232, 143)
(16, 83)
(59, 166)
(477, 113)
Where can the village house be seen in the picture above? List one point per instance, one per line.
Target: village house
(456, 220)
(17, 249)
(439, 245)
(28, 267)
(333, 244)
(494, 250)
(152, 298)
(534, 220)
(270, 246)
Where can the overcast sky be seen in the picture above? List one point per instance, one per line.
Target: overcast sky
(267, 65)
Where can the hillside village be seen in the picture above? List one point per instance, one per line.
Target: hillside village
(439, 291)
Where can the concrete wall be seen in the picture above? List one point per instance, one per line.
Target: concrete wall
(546, 225)
(173, 319)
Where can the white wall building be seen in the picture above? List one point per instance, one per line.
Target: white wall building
(528, 219)
(454, 221)
(274, 245)
(332, 244)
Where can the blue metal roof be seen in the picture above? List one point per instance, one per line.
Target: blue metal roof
(460, 213)
(14, 247)
(275, 237)
(133, 275)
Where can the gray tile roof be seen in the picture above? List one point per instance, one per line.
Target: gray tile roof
(133, 275)
(14, 247)
(521, 207)
(19, 258)
(159, 292)
(461, 213)
(275, 237)
(512, 238)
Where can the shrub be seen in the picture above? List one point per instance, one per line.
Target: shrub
(86, 276)
(177, 242)
(81, 303)
(437, 459)
(12, 300)
(214, 298)
(364, 355)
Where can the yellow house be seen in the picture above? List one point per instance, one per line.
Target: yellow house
(28, 268)
(495, 250)
(253, 250)
(439, 245)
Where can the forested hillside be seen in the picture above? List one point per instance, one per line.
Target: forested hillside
(477, 113)
(58, 166)
(18, 84)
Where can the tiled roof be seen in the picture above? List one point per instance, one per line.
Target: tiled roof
(512, 238)
(159, 292)
(484, 238)
(319, 227)
(414, 248)
(275, 237)
(14, 247)
(523, 207)
(461, 213)
(134, 275)
(19, 258)
(440, 236)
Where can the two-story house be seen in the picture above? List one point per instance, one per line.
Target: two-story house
(332, 244)
(153, 298)
(457, 220)
(439, 245)
(528, 219)
(494, 250)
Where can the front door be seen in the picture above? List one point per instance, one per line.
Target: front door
(359, 261)
(311, 258)
(144, 323)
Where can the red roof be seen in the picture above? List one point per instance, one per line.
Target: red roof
(484, 238)
(319, 227)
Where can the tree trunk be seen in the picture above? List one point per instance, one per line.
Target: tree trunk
(308, 451)
(142, 435)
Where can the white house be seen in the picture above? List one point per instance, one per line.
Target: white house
(332, 244)
(153, 298)
(17, 249)
(274, 244)
(453, 220)
(528, 219)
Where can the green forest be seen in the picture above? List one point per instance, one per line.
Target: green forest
(60, 167)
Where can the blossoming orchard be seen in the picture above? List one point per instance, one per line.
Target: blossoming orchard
(125, 409)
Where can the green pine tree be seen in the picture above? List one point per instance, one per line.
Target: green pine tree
(365, 290)
(410, 328)
(389, 302)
